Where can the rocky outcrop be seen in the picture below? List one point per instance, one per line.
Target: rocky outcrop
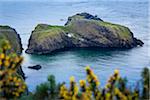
(10, 34)
(83, 16)
(81, 31)
(36, 67)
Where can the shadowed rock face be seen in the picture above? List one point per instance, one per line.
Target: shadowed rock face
(9, 34)
(80, 31)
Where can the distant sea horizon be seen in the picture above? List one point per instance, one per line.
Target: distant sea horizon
(76, 0)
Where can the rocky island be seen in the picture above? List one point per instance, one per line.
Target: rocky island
(82, 30)
(10, 34)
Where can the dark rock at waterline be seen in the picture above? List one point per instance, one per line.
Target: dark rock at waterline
(139, 42)
(36, 67)
(81, 31)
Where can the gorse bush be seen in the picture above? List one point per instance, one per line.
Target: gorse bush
(115, 89)
(11, 84)
(89, 89)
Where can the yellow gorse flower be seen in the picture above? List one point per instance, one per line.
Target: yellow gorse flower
(90, 90)
(82, 82)
(2, 55)
(116, 71)
(6, 63)
(11, 84)
(87, 68)
(72, 79)
(1, 62)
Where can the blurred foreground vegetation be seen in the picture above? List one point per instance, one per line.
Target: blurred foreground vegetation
(11, 83)
(12, 86)
(89, 89)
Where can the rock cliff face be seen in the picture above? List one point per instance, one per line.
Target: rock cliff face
(81, 31)
(9, 34)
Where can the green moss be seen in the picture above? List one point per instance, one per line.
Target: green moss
(122, 31)
(48, 33)
(41, 27)
(42, 31)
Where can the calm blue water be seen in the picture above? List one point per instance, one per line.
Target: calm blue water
(25, 15)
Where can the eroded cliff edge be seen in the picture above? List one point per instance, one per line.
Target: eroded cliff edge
(10, 34)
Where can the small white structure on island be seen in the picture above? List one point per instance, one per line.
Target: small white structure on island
(70, 35)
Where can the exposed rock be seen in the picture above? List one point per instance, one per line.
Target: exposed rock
(81, 30)
(10, 34)
(36, 67)
(139, 42)
(82, 16)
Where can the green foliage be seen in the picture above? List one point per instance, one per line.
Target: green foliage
(145, 80)
(52, 83)
(48, 90)
(26, 97)
(41, 91)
